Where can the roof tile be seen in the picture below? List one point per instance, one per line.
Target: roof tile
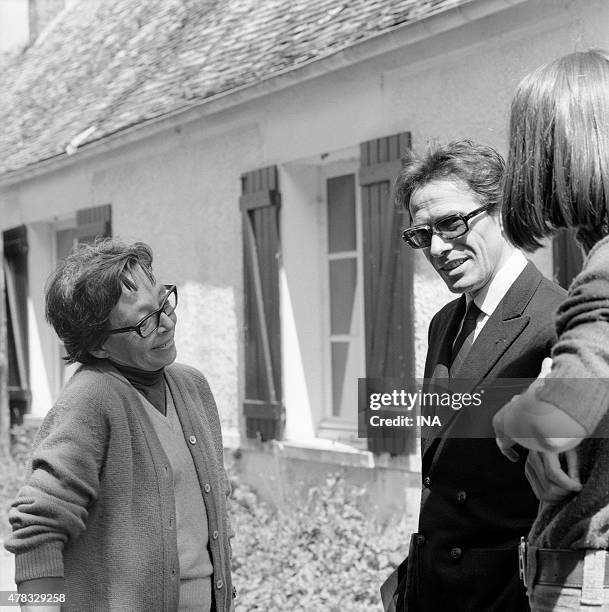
(115, 63)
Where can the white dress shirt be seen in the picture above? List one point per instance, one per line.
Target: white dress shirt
(489, 297)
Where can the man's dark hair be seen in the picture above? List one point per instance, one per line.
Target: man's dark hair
(478, 166)
(84, 289)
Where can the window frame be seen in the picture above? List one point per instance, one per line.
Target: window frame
(329, 425)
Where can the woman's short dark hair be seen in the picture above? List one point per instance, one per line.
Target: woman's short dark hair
(479, 166)
(558, 163)
(86, 286)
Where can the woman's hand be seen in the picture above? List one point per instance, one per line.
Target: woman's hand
(503, 440)
(41, 585)
(548, 479)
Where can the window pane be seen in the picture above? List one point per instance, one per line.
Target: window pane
(339, 363)
(341, 213)
(343, 280)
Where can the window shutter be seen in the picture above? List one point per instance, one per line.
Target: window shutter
(260, 204)
(388, 274)
(567, 256)
(92, 223)
(16, 296)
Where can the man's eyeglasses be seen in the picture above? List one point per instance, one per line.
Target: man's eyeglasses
(449, 227)
(152, 320)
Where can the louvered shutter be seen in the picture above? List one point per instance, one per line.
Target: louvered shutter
(5, 423)
(388, 276)
(16, 296)
(260, 204)
(93, 223)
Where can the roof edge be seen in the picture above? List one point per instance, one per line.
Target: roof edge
(401, 36)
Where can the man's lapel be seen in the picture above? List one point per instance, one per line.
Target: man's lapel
(497, 335)
(441, 351)
(502, 328)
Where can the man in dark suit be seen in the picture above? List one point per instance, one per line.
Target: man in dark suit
(475, 505)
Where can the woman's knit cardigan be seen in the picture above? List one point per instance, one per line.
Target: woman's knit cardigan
(98, 507)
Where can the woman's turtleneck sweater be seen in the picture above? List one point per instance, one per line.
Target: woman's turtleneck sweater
(150, 384)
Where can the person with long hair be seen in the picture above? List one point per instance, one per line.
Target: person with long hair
(558, 177)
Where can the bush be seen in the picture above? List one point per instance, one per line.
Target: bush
(13, 469)
(320, 556)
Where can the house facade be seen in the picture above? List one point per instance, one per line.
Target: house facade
(262, 183)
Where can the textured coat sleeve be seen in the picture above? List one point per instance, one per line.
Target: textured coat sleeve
(579, 381)
(51, 508)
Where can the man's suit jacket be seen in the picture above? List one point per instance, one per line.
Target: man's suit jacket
(476, 504)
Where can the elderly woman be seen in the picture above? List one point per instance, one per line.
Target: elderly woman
(125, 505)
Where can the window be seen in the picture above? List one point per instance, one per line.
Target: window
(85, 225)
(339, 229)
(345, 338)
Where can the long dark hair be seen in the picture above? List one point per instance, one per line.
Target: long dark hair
(558, 163)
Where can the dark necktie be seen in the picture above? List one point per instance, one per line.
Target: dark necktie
(465, 338)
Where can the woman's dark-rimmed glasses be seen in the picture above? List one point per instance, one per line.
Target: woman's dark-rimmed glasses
(449, 227)
(152, 320)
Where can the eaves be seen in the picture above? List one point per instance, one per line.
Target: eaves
(400, 37)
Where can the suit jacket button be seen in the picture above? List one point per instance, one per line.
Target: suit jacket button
(420, 540)
(461, 496)
(455, 553)
(427, 482)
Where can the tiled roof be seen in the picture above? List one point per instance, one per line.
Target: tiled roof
(113, 64)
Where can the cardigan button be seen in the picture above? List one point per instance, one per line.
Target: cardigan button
(207, 488)
(214, 535)
(427, 482)
(456, 553)
(461, 497)
(219, 584)
(192, 440)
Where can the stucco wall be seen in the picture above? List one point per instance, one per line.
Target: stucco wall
(183, 201)
(178, 192)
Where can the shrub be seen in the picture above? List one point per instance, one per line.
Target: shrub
(323, 555)
(13, 469)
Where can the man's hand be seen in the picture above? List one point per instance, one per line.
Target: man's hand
(549, 481)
